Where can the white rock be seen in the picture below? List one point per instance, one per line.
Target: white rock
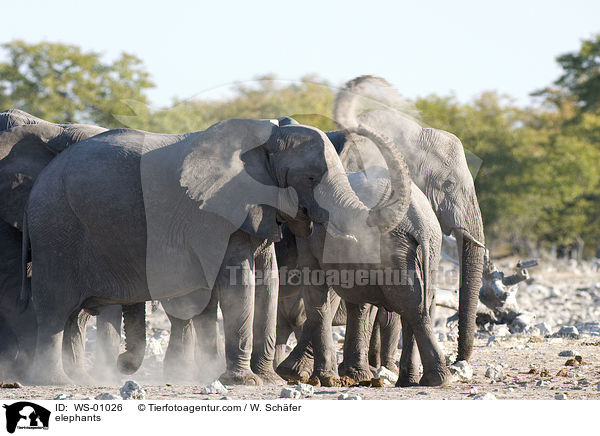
(105, 396)
(523, 321)
(346, 396)
(290, 393)
(541, 383)
(62, 397)
(544, 328)
(215, 387)
(131, 390)
(305, 390)
(474, 391)
(486, 396)
(560, 397)
(388, 377)
(568, 331)
(495, 372)
(461, 370)
(501, 331)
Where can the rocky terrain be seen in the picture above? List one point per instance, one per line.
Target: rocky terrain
(550, 351)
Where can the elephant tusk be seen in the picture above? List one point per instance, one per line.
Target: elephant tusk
(337, 233)
(465, 234)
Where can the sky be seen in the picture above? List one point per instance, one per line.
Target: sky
(196, 49)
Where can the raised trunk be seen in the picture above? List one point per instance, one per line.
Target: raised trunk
(134, 325)
(389, 216)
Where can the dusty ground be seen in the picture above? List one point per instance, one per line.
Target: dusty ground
(559, 294)
(519, 356)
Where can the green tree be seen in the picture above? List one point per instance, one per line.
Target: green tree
(62, 83)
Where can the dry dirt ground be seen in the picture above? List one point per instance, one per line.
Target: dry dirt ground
(559, 294)
(526, 364)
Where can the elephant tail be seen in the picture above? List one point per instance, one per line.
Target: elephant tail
(134, 325)
(25, 294)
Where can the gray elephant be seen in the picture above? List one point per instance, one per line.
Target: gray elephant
(127, 216)
(413, 246)
(437, 163)
(27, 145)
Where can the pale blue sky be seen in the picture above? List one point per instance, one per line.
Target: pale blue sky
(422, 47)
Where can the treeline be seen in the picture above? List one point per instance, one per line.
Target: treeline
(537, 169)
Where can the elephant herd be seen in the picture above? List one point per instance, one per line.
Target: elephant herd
(282, 226)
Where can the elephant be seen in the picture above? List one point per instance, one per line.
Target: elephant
(27, 145)
(413, 246)
(127, 216)
(437, 164)
(291, 316)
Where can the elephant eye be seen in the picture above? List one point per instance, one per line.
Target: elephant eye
(448, 185)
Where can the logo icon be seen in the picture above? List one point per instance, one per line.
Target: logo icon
(26, 415)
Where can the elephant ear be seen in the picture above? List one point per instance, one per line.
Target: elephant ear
(23, 156)
(224, 183)
(228, 173)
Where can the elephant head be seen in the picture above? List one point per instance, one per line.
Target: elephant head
(438, 166)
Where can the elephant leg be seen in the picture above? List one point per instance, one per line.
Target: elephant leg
(390, 326)
(47, 367)
(359, 323)
(108, 342)
(176, 364)
(412, 301)
(73, 355)
(235, 285)
(265, 316)
(409, 359)
(208, 352)
(375, 344)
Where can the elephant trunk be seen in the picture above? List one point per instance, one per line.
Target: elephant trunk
(134, 325)
(471, 268)
(389, 216)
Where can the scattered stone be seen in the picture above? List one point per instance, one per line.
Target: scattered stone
(486, 396)
(560, 397)
(61, 397)
(422, 393)
(563, 373)
(567, 353)
(365, 383)
(461, 370)
(580, 359)
(105, 396)
(474, 391)
(346, 396)
(290, 393)
(215, 387)
(522, 322)
(225, 398)
(131, 390)
(501, 331)
(305, 390)
(533, 371)
(572, 362)
(544, 328)
(589, 328)
(14, 385)
(389, 377)
(450, 358)
(554, 340)
(495, 372)
(377, 383)
(545, 373)
(568, 331)
(541, 383)
(598, 387)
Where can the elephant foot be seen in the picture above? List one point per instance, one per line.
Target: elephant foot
(298, 370)
(49, 378)
(330, 381)
(245, 377)
(82, 378)
(407, 379)
(270, 377)
(441, 377)
(357, 373)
